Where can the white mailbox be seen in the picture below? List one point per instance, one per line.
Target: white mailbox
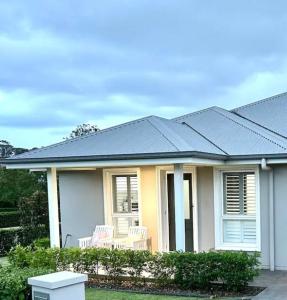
(58, 286)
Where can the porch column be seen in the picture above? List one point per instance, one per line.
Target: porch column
(179, 207)
(53, 207)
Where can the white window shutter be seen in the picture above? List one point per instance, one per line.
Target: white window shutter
(232, 231)
(239, 217)
(125, 203)
(249, 194)
(239, 231)
(232, 194)
(248, 232)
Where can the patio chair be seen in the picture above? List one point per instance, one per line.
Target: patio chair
(102, 238)
(136, 240)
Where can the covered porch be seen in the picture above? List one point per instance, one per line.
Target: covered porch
(175, 202)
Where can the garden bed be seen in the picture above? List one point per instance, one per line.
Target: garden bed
(149, 287)
(222, 274)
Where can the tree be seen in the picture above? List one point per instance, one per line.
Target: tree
(82, 130)
(15, 184)
(7, 150)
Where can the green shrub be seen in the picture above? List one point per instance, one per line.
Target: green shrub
(5, 209)
(237, 269)
(182, 269)
(9, 219)
(8, 239)
(42, 243)
(6, 204)
(30, 234)
(13, 282)
(34, 217)
(21, 257)
(138, 262)
(162, 267)
(196, 270)
(34, 210)
(114, 262)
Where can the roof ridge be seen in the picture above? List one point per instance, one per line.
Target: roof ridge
(220, 111)
(275, 97)
(192, 113)
(185, 125)
(155, 126)
(260, 125)
(71, 140)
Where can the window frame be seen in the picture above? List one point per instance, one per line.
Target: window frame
(109, 194)
(114, 183)
(219, 209)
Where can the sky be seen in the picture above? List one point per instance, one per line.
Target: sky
(68, 62)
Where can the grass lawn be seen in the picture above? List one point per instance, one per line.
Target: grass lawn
(94, 294)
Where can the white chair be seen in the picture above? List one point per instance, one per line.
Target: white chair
(136, 240)
(102, 238)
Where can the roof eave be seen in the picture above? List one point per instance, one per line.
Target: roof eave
(13, 161)
(196, 158)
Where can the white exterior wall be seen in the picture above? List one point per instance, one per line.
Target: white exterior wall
(280, 206)
(280, 217)
(264, 215)
(81, 204)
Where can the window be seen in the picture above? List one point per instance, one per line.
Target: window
(239, 208)
(125, 203)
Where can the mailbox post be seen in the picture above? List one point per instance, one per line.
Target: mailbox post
(58, 286)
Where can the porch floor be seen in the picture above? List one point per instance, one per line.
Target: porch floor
(275, 283)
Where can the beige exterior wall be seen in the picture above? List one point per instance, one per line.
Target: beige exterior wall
(205, 200)
(149, 203)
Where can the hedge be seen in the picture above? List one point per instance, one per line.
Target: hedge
(10, 237)
(9, 219)
(183, 270)
(42, 242)
(4, 209)
(13, 282)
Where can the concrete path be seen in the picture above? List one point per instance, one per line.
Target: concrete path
(276, 283)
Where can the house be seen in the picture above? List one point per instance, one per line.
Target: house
(212, 179)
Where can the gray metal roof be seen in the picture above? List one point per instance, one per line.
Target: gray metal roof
(270, 113)
(233, 134)
(254, 130)
(144, 136)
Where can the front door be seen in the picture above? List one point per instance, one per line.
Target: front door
(187, 212)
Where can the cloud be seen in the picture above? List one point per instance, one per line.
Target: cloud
(63, 63)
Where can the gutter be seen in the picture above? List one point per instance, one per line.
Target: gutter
(266, 167)
(182, 154)
(278, 158)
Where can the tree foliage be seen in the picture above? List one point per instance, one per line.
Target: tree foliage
(7, 150)
(15, 184)
(82, 130)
